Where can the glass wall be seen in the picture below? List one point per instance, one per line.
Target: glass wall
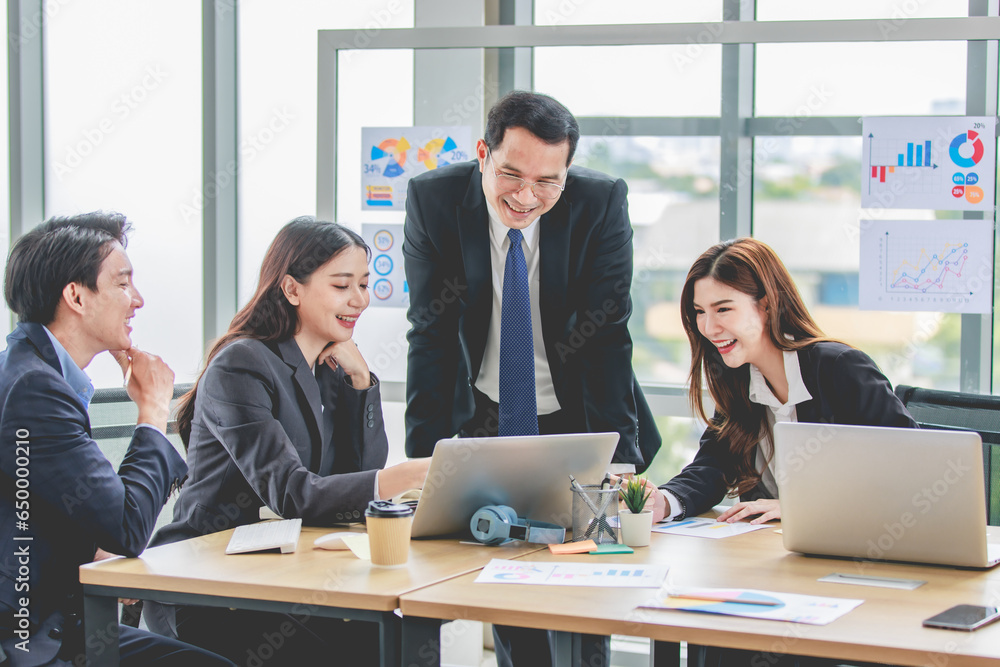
(277, 64)
(123, 133)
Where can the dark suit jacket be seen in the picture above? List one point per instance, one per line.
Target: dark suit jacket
(585, 273)
(846, 388)
(77, 502)
(266, 431)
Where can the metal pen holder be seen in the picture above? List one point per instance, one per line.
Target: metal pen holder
(595, 513)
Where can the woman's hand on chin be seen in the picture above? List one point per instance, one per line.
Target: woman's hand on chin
(347, 356)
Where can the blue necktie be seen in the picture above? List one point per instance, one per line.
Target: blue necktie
(518, 412)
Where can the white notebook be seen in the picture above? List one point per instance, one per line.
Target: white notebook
(283, 534)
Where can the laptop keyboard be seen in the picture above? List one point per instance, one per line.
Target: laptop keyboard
(283, 534)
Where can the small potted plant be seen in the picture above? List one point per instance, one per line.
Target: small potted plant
(635, 520)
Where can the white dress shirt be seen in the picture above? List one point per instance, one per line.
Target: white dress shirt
(488, 381)
(777, 411)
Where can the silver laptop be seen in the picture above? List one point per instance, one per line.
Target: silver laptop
(883, 494)
(528, 473)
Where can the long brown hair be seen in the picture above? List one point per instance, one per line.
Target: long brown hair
(753, 268)
(301, 247)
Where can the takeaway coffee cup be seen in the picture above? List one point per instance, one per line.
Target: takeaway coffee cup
(389, 532)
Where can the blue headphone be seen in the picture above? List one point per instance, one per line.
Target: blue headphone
(495, 524)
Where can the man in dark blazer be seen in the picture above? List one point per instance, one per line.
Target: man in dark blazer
(62, 504)
(574, 228)
(578, 243)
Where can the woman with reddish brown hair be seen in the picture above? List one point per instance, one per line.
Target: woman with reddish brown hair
(764, 360)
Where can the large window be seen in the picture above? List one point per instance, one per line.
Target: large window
(123, 133)
(716, 141)
(673, 188)
(277, 63)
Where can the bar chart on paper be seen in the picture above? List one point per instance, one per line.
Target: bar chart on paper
(929, 265)
(942, 163)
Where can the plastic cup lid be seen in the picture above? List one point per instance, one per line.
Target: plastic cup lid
(384, 508)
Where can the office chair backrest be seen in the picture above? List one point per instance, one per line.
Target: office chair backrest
(932, 408)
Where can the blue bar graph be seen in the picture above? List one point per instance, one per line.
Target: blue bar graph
(923, 157)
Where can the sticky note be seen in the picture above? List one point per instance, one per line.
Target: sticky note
(612, 549)
(573, 547)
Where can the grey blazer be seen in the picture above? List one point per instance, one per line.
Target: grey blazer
(266, 431)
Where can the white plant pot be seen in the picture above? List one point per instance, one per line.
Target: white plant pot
(636, 528)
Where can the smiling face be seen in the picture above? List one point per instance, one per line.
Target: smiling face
(107, 312)
(331, 300)
(734, 322)
(523, 155)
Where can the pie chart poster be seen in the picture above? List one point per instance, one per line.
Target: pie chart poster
(941, 163)
(391, 156)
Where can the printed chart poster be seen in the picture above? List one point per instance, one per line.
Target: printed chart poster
(387, 280)
(943, 163)
(391, 156)
(933, 265)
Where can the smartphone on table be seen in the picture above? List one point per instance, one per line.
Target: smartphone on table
(963, 617)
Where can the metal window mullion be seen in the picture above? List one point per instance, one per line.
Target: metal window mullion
(220, 164)
(976, 347)
(735, 146)
(516, 66)
(26, 114)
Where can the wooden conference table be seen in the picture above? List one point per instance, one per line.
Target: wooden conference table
(310, 581)
(437, 584)
(885, 628)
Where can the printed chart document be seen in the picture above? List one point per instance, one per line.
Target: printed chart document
(619, 575)
(935, 162)
(768, 605)
(706, 528)
(391, 156)
(929, 265)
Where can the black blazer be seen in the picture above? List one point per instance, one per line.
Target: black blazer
(266, 431)
(585, 273)
(846, 388)
(77, 502)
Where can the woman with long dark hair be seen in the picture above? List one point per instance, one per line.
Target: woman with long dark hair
(286, 416)
(764, 360)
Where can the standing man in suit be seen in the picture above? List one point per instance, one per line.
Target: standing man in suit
(61, 503)
(519, 268)
(576, 249)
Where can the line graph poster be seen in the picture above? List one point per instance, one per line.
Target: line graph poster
(928, 265)
(942, 162)
(391, 156)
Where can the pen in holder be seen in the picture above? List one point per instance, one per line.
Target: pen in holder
(595, 512)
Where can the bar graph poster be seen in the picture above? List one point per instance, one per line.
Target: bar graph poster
(391, 156)
(926, 265)
(943, 163)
